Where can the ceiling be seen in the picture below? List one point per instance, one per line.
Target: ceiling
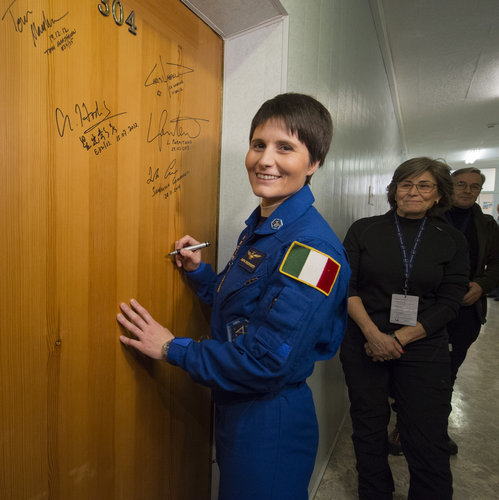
(444, 68)
(231, 18)
(442, 61)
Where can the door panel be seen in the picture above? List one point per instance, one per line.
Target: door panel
(110, 137)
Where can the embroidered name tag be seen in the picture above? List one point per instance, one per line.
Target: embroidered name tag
(314, 268)
(252, 259)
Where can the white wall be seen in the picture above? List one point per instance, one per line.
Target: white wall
(254, 71)
(330, 51)
(334, 55)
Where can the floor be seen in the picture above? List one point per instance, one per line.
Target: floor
(473, 424)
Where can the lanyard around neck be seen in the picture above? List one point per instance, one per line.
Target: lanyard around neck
(408, 261)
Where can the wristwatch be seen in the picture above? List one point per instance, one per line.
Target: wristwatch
(165, 348)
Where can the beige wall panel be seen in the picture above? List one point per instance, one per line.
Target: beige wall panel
(110, 146)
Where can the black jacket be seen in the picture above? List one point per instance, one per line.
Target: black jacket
(486, 273)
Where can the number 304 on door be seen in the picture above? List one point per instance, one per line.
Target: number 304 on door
(118, 14)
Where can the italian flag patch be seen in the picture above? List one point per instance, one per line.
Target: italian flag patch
(314, 268)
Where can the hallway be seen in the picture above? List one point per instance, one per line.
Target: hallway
(473, 424)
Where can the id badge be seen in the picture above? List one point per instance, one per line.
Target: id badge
(404, 310)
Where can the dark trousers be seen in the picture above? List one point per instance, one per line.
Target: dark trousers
(420, 383)
(463, 331)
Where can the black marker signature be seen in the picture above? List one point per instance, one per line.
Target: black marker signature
(170, 170)
(162, 77)
(84, 116)
(88, 116)
(183, 126)
(174, 185)
(61, 127)
(21, 21)
(36, 29)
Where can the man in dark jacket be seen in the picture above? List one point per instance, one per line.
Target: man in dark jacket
(482, 233)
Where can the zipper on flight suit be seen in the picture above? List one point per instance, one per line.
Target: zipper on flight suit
(247, 283)
(232, 260)
(274, 300)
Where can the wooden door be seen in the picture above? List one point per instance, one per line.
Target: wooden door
(110, 138)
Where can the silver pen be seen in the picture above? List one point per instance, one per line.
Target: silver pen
(191, 248)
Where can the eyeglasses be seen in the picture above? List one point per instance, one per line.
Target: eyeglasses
(422, 187)
(461, 185)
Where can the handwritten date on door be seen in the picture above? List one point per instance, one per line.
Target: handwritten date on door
(116, 9)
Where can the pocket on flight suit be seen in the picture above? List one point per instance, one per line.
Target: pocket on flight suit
(282, 323)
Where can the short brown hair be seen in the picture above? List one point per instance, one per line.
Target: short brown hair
(302, 115)
(415, 167)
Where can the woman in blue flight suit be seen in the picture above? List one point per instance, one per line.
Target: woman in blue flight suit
(278, 306)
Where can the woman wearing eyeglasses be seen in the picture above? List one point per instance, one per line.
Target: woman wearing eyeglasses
(409, 275)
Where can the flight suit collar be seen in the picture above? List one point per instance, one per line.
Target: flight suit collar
(285, 214)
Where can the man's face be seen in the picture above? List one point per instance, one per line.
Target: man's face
(467, 187)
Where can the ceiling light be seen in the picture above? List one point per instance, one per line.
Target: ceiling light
(472, 156)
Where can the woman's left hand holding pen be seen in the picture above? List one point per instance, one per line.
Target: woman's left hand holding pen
(150, 335)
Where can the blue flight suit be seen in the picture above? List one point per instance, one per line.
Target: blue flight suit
(268, 329)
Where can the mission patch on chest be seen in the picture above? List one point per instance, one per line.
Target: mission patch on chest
(310, 266)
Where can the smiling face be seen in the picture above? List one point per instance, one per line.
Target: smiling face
(277, 162)
(412, 204)
(467, 187)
